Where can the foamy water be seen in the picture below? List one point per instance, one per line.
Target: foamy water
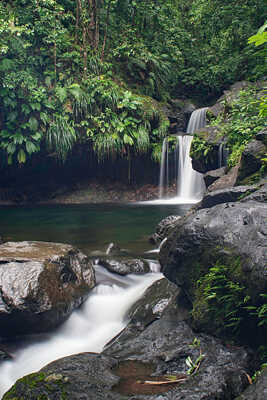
(89, 328)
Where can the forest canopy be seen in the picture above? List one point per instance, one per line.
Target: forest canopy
(98, 72)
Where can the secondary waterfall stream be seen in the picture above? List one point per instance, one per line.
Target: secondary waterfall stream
(190, 184)
(88, 329)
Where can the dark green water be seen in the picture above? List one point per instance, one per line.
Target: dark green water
(89, 227)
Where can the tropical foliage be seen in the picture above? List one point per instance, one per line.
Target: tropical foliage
(96, 72)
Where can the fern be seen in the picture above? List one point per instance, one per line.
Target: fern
(60, 137)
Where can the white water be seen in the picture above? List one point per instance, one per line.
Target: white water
(159, 248)
(88, 329)
(190, 183)
(162, 176)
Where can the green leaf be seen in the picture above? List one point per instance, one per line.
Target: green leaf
(6, 64)
(11, 148)
(25, 109)
(35, 106)
(128, 140)
(31, 147)
(61, 93)
(10, 159)
(12, 116)
(21, 156)
(33, 124)
(37, 136)
(18, 138)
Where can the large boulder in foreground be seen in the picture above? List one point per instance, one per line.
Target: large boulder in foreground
(218, 256)
(40, 284)
(225, 233)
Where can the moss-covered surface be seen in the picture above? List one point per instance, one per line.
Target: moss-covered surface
(39, 386)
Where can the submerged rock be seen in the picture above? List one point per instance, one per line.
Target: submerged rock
(125, 266)
(41, 283)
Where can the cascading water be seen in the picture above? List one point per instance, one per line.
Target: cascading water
(164, 163)
(88, 329)
(190, 183)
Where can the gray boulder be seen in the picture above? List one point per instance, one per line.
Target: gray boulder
(125, 266)
(226, 181)
(163, 229)
(40, 284)
(251, 159)
(226, 195)
(222, 232)
(214, 175)
(258, 195)
(213, 138)
(262, 136)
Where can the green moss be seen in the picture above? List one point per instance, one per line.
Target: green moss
(39, 386)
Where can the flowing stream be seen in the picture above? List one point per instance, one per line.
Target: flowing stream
(89, 328)
(104, 314)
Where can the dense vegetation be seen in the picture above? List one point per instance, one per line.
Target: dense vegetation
(97, 72)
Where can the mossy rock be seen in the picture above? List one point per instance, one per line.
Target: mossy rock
(39, 386)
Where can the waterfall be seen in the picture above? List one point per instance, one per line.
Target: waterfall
(190, 183)
(163, 167)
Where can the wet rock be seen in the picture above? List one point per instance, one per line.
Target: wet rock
(81, 376)
(167, 342)
(258, 195)
(213, 138)
(262, 136)
(4, 355)
(251, 159)
(178, 112)
(214, 175)
(41, 283)
(125, 266)
(113, 248)
(159, 344)
(226, 195)
(256, 391)
(164, 228)
(162, 295)
(226, 181)
(222, 232)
